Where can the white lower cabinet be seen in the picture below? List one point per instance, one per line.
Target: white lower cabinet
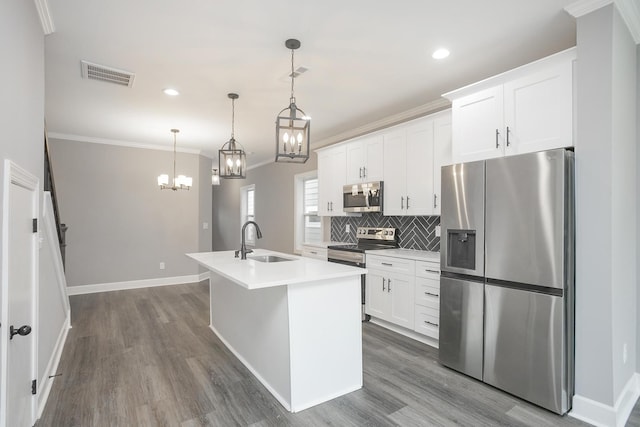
(316, 252)
(390, 290)
(405, 292)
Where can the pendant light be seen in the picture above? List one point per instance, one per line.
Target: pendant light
(232, 160)
(292, 125)
(215, 177)
(180, 182)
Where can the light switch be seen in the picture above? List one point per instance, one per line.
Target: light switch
(162, 266)
(347, 228)
(205, 225)
(437, 231)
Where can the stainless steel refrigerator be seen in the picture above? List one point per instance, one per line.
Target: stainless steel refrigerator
(507, 284)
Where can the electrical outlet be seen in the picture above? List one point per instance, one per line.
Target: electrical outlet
(205, 225)
(437, 231)
(624, 353)
(162, 266)
(347, 228)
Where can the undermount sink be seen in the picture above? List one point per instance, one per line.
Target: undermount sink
(269, 258)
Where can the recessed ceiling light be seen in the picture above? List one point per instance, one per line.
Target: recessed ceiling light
(171, 92)
(440, 54)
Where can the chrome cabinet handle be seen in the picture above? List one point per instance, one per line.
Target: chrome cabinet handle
(364, 171)
(508, 136)
(401, 202)
(407, 202)
(360, 172)
(435, 200)
(430, 294)
(388, 264)
(431, 271)
(388, 285)
(314, 252)
(497, 143)
(383, 288)
(430, 323)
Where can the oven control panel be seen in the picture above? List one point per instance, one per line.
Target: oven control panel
(376, 233)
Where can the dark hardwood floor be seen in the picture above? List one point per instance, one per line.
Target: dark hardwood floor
(148, 358)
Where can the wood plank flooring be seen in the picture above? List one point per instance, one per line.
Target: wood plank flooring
(147, 357)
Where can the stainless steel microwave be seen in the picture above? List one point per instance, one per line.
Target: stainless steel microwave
(362, 197)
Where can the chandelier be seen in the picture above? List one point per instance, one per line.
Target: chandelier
(180, 182)
(232, 161)
(292, 125)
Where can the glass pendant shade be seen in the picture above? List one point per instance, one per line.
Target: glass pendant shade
(293, 126)
(232, 159)
(215, 177)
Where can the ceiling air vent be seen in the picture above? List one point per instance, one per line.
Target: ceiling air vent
(107, 74)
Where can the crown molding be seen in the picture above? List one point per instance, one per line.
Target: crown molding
(79, 138)
(414, 113)
(45, 16)
(629, 10)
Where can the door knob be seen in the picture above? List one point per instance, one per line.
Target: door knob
(22, 330)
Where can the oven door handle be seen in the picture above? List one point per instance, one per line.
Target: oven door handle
(351, 263)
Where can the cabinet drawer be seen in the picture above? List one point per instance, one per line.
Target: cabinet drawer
(427, 322)
(428, 293)
(398, 265)
(427, 269)
(313, 252)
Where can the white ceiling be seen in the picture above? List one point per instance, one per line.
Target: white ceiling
(367, 60)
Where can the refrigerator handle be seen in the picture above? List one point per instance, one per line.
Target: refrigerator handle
(497, 134)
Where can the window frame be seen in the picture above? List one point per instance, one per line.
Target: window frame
(250, 238)
(299, 214)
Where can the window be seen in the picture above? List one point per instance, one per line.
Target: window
(247, 211)
(308, 223)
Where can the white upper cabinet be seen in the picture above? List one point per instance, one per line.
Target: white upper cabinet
(331, 178)
(441, 154)
(521, 111)
(364, 159)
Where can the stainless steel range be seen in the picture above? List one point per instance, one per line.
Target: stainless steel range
(369, 238)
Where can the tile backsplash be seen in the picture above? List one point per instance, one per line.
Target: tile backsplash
(414, 232)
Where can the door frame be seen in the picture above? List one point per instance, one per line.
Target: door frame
(16, 175)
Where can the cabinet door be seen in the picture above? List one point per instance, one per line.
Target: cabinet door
(401, 289)
(478, 126)
(355, 162)
(539, 110)
(339, 175)
(441, 155)
(419, 161)
(373, 158)
(376, 295)
(324, 182)
(395, 173)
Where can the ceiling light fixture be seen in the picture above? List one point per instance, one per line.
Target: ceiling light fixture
(180, 182)
(171, 92)
(440, 54)
(215, 177)
(232, 160)
(292, 125)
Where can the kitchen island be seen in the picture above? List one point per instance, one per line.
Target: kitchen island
(294, 323)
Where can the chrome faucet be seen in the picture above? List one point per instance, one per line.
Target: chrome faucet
(243, 248)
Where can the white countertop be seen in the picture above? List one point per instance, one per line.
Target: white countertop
(252, 274)
(412, 254)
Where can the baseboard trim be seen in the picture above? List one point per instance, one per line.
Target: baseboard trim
(601, 415)
(46, 382)
(135, 284)
(406, 332)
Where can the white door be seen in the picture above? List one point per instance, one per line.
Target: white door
(376, 295)
(401, 289)
(18, 295)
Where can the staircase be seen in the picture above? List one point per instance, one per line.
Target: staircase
(50, 186)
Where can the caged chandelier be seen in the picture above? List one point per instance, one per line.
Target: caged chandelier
(232, 160)
(292, 125)
(180, 182)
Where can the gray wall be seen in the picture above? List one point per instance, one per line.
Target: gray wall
(637, 216)
(606, 206)
(205, 206)
(274, 205)
(121, 225)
